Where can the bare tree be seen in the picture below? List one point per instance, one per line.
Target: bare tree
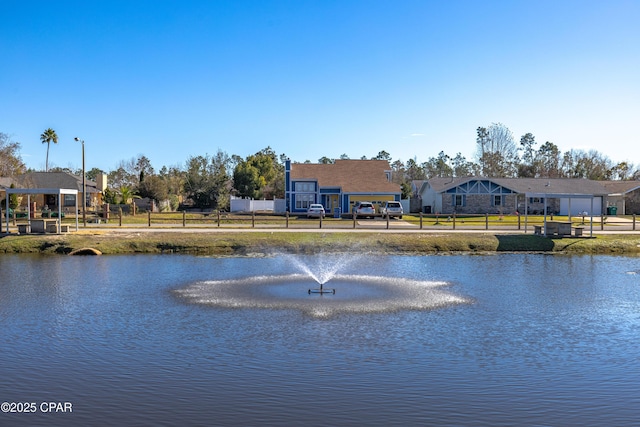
(497, 151)
(10, 160)
(590, 165)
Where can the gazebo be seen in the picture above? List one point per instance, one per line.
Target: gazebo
(567, 196)
(30, 191)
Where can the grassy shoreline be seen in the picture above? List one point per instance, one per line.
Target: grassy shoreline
(243, 244)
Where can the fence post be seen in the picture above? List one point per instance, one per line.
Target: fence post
(420, 220)
(454, 220)
(634, 222)
(355, 216)
(519, 221)
(184, 218)
(218, 217)
(387, 220)
(149, 216)
(486, 221)
(253, 219)
(286, 218)
(320, 221)
(120, 216)
(601, 221)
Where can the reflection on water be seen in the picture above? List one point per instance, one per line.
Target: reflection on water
(516, 339)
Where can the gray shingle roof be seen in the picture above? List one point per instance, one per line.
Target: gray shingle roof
(557, 186)
(53, 180)
(621, 187)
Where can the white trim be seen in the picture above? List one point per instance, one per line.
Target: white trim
(30, 191)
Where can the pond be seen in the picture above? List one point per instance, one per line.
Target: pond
(495, 340)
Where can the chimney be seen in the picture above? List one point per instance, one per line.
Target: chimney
(101, 181)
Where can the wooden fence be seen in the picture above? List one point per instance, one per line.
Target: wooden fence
(216, 219)
(418, 221)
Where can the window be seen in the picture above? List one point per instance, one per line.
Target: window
(304, 200)
(69, 200)
(305, 186)
(536, 199)
(458, 200)
(497, 200)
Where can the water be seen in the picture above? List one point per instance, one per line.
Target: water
(516, 339)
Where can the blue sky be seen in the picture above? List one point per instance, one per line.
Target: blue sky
(175, 79)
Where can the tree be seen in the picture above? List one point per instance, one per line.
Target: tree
(527, 143)
(47, 137)
(549, 161)
(206, 181)
(246, 180)
(622, 171)
(126, 195)
(324, 160)
(482, 141)
(128, 172)
(497, 151)
(414, 171)
(93, 173)
(405, 187)
(154, 188)
(383, 155)
(110, 196)
(143, 168)
(528, 166)
(438, 166)
(398, 175)
(590, 165)
(13, 199)
(260, 175)
(174, 179)
(461, 167)
(122, 177)
(10, 161)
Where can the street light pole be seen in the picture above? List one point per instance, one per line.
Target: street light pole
(84, 187)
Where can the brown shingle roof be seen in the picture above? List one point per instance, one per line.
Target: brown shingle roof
(353, 176)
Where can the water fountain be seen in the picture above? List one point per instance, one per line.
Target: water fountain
(358, 293)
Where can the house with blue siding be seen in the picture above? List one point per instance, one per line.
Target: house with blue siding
(339, 185)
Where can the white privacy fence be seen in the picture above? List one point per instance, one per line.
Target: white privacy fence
(250, 205)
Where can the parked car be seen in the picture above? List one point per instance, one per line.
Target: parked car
(364, 209)
(393, 209)
(315, 210)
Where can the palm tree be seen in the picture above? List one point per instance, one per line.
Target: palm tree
(46, 138)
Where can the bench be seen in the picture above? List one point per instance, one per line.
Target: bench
(24, 228)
